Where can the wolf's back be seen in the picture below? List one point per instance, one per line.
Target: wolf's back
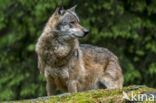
(98, 54)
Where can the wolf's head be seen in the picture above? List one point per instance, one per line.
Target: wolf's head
(67, 23)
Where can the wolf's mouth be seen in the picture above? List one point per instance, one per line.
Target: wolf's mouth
(78, 36)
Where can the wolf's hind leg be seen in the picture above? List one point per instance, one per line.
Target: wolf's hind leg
(50, 86)
(109, 82)
(112, 77)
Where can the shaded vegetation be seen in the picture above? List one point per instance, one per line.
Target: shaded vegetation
(126, 27)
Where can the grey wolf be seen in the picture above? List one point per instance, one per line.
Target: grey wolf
(72, 67)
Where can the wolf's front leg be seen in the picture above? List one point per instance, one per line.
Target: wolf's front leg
(50, 87)
(72, 86)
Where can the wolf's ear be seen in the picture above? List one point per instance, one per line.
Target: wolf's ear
(60, 10)
(73, 8)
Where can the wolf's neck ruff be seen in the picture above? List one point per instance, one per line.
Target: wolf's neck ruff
(60, 50)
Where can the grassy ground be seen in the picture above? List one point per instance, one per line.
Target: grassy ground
(102, 96)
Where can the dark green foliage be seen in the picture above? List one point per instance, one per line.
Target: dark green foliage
(126, 27)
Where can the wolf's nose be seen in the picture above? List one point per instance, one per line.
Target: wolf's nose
(85, 31)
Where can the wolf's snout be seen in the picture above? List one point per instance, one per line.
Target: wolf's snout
(85, 31)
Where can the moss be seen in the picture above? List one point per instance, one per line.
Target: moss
(100, 95)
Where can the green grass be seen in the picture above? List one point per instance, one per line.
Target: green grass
(98, 96)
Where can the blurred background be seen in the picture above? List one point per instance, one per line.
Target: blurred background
(126, 27)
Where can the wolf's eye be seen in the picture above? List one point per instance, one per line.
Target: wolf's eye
(72, 23)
